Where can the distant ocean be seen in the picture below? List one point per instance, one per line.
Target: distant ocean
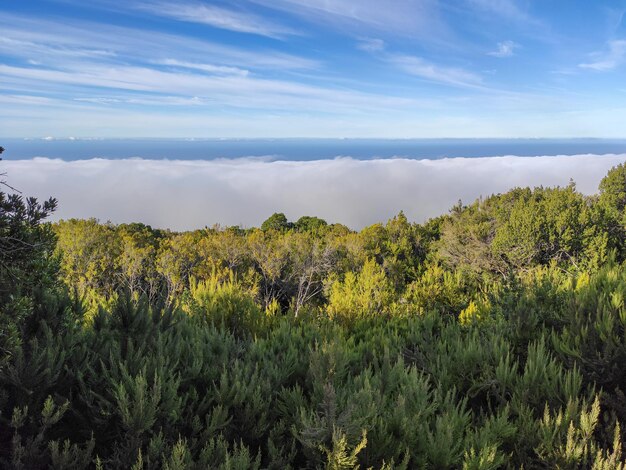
(301, 149)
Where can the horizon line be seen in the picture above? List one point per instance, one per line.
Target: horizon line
(192, 138)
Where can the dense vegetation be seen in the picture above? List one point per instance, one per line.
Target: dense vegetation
(490, 337)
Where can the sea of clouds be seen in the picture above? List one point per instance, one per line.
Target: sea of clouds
(183, 195)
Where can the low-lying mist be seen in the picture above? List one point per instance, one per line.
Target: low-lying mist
(183, 195)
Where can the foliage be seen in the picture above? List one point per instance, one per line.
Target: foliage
(26, 245)
(27, 262)
(362, 294)
(492, 337)
(277, 221)
(613, 189)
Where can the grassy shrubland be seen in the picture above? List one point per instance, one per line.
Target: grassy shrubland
(490, 337)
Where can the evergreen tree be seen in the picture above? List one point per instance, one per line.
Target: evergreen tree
(26, 245)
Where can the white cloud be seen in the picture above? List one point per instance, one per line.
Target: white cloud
(505, 8)
(414, 18)
(149, 101)
(26, 100)
(608, 60)
(518, 14)
(371, 45)
(215, 16)
(356, 116)
(505, 49)
(192, 194)
(11, 46)
(436, 73)
(230, 90)
(49, 42)
(210, 68)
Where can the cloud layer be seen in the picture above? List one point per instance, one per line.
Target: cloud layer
(184, 195)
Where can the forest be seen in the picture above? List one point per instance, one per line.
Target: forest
(490, 337)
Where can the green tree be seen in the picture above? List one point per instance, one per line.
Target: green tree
(270, 256)
(181, 257)
(89, 251)
(26, 245)
(613, 190)
(466, 236)
(403, 251)
(228, 249)
(309, 224)
(136, 261)
(276, 221)
(310, 261)
(366, 293)
(27, 263)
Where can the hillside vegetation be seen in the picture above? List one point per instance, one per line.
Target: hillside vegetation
(490, 337)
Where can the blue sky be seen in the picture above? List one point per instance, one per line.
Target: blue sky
(313, 68)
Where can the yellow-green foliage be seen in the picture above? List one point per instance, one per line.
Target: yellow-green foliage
(493, 337)
(224, 301)
(437, 289)
(222, 384)
(88, 252)
(362, 294)
(475, 312)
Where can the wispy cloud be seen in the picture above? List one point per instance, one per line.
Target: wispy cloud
(525, 17)
(216, 16)
(613, 57)
(55, 50)
(128, 71)
(508, 9)
(210, 68)
(227, 90)
(371, 45)
(149, 101)
(505, 49)
(414, 18)
(615, 17)
(436, 73)
(25, 100)
(46, 41)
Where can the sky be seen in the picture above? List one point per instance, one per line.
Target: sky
(313, 68)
